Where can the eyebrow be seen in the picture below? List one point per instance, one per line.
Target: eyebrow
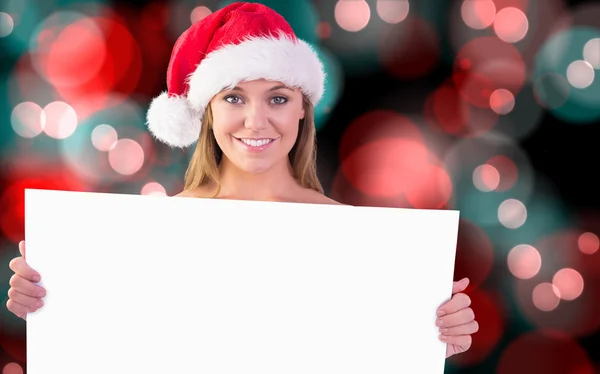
(274, 88)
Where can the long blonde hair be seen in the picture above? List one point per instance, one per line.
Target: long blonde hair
(204, 164)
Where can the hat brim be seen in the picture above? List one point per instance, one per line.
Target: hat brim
(278, 58)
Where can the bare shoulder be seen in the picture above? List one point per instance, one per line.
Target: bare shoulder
(315, 197)
(198, 192)
(329, 201)
(184, 193)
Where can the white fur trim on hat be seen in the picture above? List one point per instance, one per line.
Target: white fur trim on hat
(278, 58)
(172, 121)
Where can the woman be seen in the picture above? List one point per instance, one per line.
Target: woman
(243, 87)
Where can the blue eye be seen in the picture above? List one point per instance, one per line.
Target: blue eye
(279, 100)
(232, 99)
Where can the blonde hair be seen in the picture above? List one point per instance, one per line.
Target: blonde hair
(204, 164)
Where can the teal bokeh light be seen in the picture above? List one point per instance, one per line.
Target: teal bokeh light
(333, 87)
(7, 134)
(300, 14)
(481, 207)
(31, 13)
(11, 324)
(546, 215)
(582, 105)
(78, 152)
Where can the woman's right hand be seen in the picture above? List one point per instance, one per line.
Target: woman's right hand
(24, 296)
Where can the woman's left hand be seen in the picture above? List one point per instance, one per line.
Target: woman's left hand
(456, 320)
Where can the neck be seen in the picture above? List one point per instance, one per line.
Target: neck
(271, 185)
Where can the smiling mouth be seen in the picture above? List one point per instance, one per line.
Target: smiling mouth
(256, 142)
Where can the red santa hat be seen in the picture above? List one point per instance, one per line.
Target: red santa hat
(240, 42)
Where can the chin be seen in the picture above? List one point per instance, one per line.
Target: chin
(255, 167)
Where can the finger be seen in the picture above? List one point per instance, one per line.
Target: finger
(26, 287)
(457, 287)
(466, 329)
(19, 266)
(460, 286)
(22, 248)
(17, 309)
(32, 303)
(458, 302)
(464, 341)
(455, 319)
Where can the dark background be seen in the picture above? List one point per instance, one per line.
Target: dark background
(559, 164)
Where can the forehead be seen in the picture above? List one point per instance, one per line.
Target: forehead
(263, 85)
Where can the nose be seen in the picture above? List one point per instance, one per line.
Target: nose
(256, 117)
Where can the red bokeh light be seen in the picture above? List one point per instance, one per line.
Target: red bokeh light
(75, 55)
(12, 216)
(545, 296)
(387, 167)
(383, 156)
(474, 254)
(433, 192)
(119, 73)
(12, 368)
(323, 30)
(13, 344)
(484, 65)
(511, 25)
(569, 283)
(502, 101)
(478, 14)
(588, 243)
(154, 42)
(343, 191)
(154, 16)
(578, 317)
(524, 261)
(489, 177)
(446, 110)
(490, 317)
(508, 171)
(374, 125)
(522, 5)
(410, 49)
(126, 157)
(393, 172)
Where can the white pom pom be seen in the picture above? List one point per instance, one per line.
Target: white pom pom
(171, 121)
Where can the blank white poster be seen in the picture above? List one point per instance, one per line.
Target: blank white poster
(147, 284)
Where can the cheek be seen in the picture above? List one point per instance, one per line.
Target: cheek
(223, 127)
(291, 135)
(288, 127)
(223, 139)
(220, 138)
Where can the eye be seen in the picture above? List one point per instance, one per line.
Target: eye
(278, 100)
(233, 99)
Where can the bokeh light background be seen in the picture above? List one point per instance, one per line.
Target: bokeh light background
(491, 107)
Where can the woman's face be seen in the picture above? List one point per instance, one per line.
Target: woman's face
(256, 123)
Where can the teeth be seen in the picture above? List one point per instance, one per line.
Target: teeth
(256, 143)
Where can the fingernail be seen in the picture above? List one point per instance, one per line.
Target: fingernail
(40, 303)
(440, 313)
(444, 330)
(442, 337)
(41, 292)
(439, 322)
(36, 277)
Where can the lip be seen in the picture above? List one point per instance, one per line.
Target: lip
(250, 148)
